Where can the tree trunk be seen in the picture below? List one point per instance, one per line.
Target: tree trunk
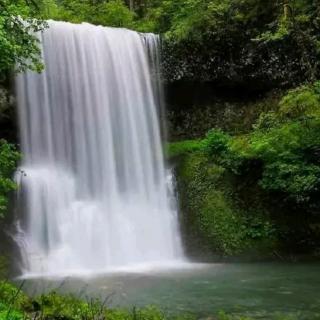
(131, 5)
(287, 10)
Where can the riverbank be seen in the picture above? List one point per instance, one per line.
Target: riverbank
(268, 291)
(253, 192)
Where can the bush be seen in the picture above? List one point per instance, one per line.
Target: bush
(8, 161)
(284, 143)
(286, 168)
(216, 143)
(227, 151)
(267, 120)
(301, 103)
(175, 149)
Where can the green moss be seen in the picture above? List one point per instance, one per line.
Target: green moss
(212, 217)
(259, 189)
(220, 223)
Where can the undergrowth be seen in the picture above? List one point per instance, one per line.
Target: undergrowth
(16, 305)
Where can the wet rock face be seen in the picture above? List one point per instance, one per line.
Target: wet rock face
(195, 108)
(227, 85)
(250, 65)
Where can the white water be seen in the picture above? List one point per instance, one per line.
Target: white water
(94, 192)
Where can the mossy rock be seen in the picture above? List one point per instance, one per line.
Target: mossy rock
(215, 222)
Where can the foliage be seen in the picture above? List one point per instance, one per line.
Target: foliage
(65, 307)
(236, 42)
(18, 46)
(55, 306)
(247, 43)
(283, 153)
(288, 148)
(112, 13)
(301, 103)
(6, 313)
(267, 120)
(216, 142)
(284, 142)
(276, 164)
(13, 297)
(211, 212)
(182, 147)
(14, 304)
(8, 160)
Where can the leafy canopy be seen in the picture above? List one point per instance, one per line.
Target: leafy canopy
(18, 45)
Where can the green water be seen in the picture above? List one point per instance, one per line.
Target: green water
(258, 290)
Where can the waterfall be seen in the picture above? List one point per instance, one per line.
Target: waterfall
(94, 193)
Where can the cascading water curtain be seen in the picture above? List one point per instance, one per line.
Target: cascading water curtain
(94, 190)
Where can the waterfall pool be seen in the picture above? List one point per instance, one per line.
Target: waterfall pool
(259, 290)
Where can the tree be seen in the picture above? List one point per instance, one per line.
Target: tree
(19, 48)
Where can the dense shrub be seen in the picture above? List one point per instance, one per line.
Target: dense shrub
(216, 143)
(286, 167)
(276, 164)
